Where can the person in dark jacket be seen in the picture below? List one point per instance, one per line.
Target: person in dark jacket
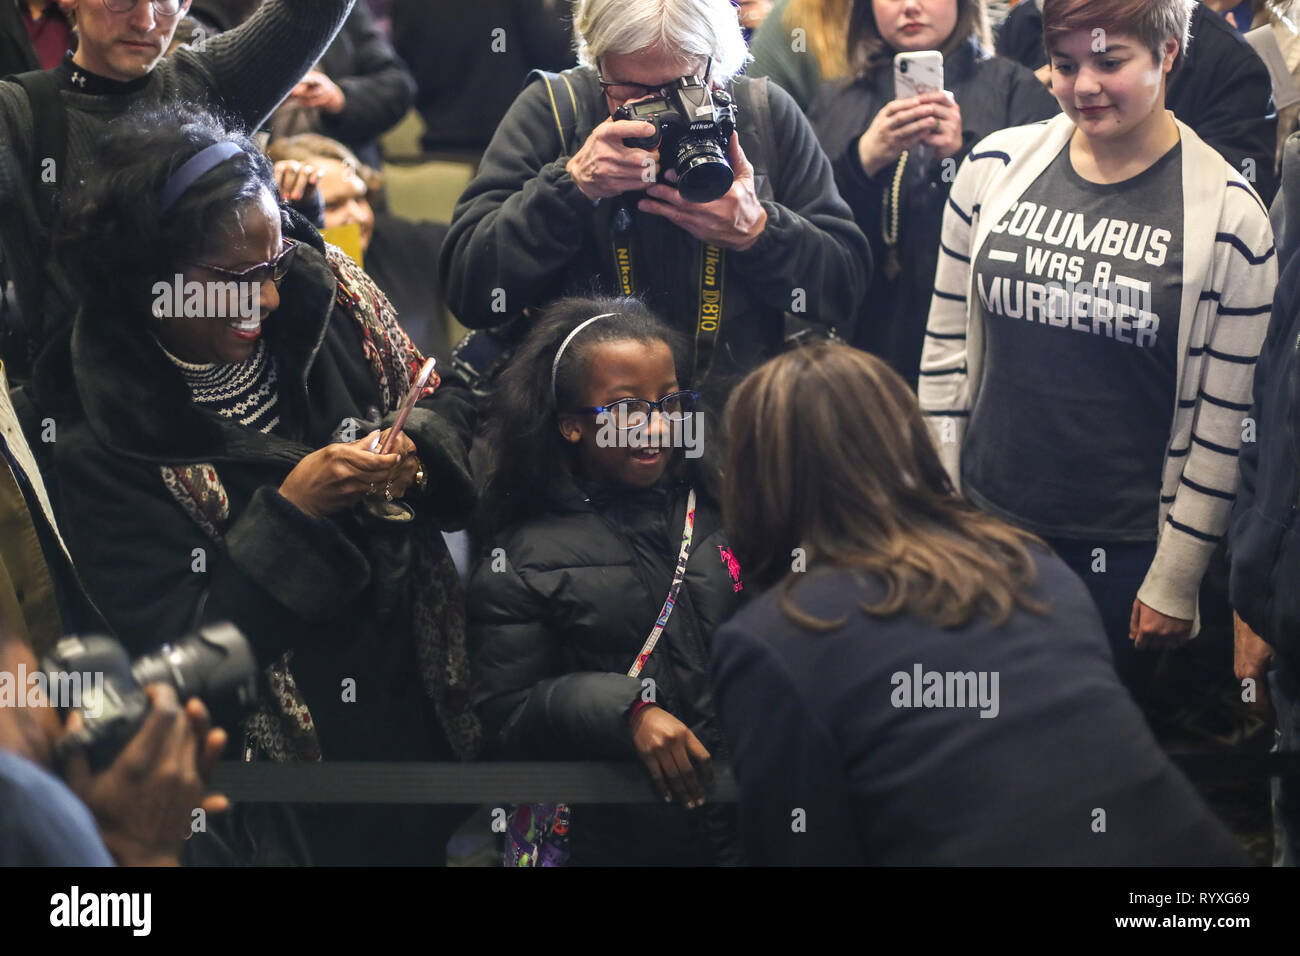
(1222, 90)
(17, 54)
(469, 60)
(34, 35)
(356, 92)
(215, 462)
(549, 215)
(1264, 547)
(896, 175)
(584, 524)
(923, 684)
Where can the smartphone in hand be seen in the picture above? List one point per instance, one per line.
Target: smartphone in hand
(417, 389)
(917, 73)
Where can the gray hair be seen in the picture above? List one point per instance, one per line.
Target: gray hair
(690, 28)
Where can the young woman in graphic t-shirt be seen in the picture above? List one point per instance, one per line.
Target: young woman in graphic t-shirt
(1103, 289)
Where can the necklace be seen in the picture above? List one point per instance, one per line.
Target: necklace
(889, 221)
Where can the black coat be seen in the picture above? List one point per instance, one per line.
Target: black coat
(286, 580)
(816, 723)
(554, 631)
(377, 86)
(523, 227)
(17, 54)
(993, 93)
(399, 259)
(1222, 89)
(467, 74)
(1264, 537)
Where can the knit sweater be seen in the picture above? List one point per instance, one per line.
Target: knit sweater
(247, 392)
(1229, 273)
(244, 73)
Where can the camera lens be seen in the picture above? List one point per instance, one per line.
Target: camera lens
(902, 66)
(215, 664)
(703, 173)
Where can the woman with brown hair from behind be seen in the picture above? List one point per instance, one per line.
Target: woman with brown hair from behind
(918, 683)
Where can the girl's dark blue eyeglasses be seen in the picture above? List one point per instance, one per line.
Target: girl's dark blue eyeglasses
(635, 412)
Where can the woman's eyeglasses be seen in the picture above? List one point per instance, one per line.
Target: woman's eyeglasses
(164, 8)
(275, 269)
(635, 412)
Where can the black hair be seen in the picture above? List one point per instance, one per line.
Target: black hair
(521, 434)
(112, 236)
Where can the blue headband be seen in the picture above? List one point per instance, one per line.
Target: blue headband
(197, 166)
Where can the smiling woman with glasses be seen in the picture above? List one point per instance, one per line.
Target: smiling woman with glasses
(242, 444)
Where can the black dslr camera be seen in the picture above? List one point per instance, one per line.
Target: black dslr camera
(693, 131)
(214, 664)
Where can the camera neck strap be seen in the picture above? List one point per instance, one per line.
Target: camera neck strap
(708, 321)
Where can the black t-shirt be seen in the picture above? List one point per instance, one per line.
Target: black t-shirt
(1080, 288)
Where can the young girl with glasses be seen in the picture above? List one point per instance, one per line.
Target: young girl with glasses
(588, 501)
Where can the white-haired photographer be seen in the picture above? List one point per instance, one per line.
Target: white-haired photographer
(566, 200)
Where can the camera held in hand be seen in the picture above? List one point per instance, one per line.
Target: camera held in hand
(214, 663)
(693, 131)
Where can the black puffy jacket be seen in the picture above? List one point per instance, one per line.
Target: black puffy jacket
(557, 616)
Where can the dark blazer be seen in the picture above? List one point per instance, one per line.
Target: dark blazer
(1066, 772)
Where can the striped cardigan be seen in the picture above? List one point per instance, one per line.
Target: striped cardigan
(1229, 275)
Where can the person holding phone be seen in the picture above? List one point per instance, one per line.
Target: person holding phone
(895, 155)
(1104, 287)
(214, 463)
